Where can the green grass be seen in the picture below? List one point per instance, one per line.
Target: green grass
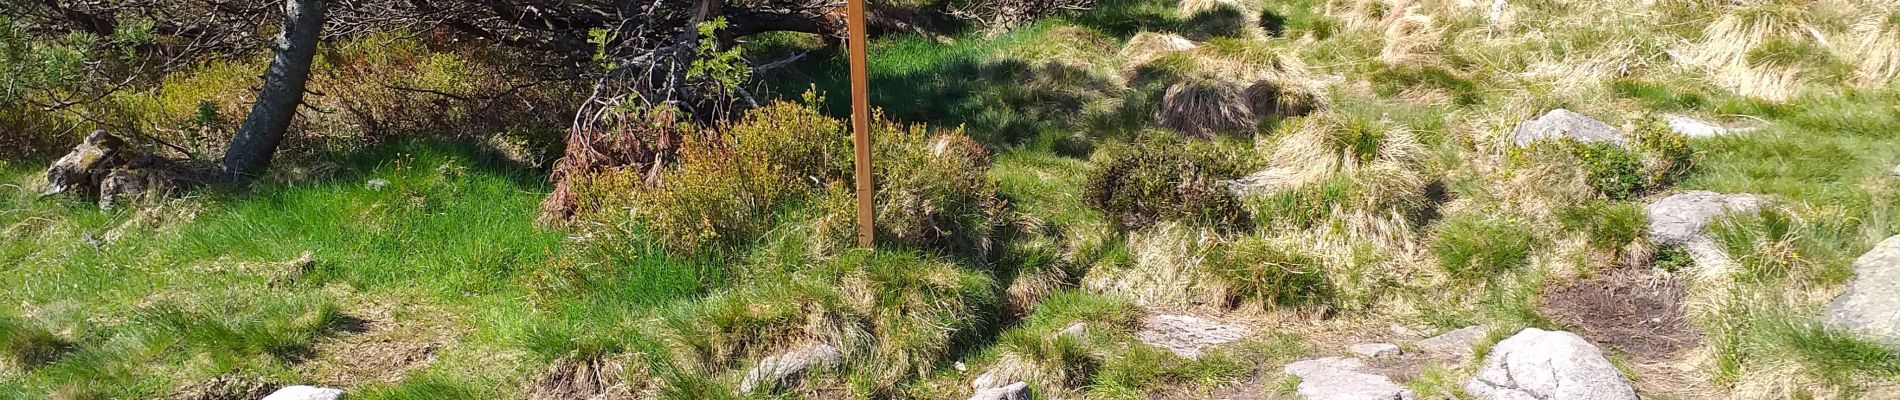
(195, 297)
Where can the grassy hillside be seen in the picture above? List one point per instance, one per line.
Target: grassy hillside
(1069, 171)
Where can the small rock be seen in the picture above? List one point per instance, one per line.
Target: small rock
(1548, 365)
(786, 369)
(1455, 345)
(377, 184)
(1186, 335)
(1871, 305)
(301, 392)
(1334, 378)
(1405, 331)
(1014, 391)
(1895, 170)
(1561, 123)
(1695, 128)
(1076, 330)
(987, 380)
(1374, 350)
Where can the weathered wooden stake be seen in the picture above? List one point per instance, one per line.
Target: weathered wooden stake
(860, 118)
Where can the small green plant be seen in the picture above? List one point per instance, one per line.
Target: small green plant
(1473, 247)
(726, 68)
(1605, 225)
(1673, 259)
(1612, 170)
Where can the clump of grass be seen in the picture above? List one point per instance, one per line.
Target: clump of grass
(1474, 247)
(1165, 179)
(1604, 225)
(1272, 273)
(1220, 20)
(28, 346)
(1276, 99)
(1206, 107)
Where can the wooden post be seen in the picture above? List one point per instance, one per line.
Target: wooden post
(860, 117)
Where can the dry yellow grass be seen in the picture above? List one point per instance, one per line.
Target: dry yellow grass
(1148, 46)
(1874, 44)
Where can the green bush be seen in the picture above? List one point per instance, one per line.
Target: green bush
(1163, 178)
(1667, 156)
(730, 188)
(1605, 225)
(1477, 247)
(1223, 20)
(1612, 170)
(1274, 273)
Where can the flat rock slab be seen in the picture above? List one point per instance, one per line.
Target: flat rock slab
(1561, 123)
(1013, 391)
(301, 392)
(1187, 335)
(1374, 350)
(786, 369)
(1680, 218)
(1697, 128)
(1334, 378)
(1454, 345)
(1871, 305)
(1536, 364)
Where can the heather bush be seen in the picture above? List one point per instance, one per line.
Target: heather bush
(732, 186)
(1161, 178)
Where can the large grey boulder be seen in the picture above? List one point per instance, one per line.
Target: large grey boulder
(1536, 364)
(1561, 123)
(786, 369)
(1334, 378)
(301, 392)
(1454, 345)
(1013, 391)
(1871, 305)
(1186, 335)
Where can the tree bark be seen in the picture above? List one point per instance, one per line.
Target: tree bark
(256, 141)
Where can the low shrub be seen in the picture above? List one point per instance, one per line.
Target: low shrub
(1667, 156)
(1613, 171)
(731, 187)
(1471, 247)
(1160, 178)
